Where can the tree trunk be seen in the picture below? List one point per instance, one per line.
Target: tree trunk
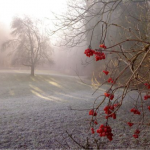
(32, 70)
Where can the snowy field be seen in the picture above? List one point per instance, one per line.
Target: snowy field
(35, 111)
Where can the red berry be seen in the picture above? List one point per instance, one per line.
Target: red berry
(92, 130)
(91, 112)
(132, 110)
(95, 122)
(106, 72)
(112, 107)
(135, 136)
(98, 131)
(107, 117)
(89, 52)
(114, 116)
(130, 124)
(111, 97)
(135, 111)
(146, 97)
(110, 80)
(107, 94)
(95, 114)
(103, 134)
(116, 105)
(147, 85)
(109, 137)
(102, 46)
(103, 56)
(101, 126)
(105, 129)
(108, 129)
(106, 108)
(137, 131)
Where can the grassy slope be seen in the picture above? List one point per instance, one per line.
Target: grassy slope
(35, 112)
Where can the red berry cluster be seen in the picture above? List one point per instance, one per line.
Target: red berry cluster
(110, 96)
(149, 108)
(108, 110)
(89, 52)
(105, 131)
(110, 80)
(106, 72)
(147, 85)
(102, 46)
(146, 97)
(136, 133)
(135, 111)
(130, 124)
(99, 56)
(92, 113)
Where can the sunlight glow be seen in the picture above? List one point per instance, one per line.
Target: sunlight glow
(55, 84)
(35, 88)
(35, 8)
(41, 96)
(51, 98)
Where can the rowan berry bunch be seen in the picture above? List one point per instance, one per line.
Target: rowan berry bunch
(135, 111)
(109, 111)
(105, 131)
(146, 97)
(136, 133)
(110, 80)
(99, 55)
(147, 85)
(89, 52)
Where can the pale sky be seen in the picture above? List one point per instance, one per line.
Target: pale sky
(35, 8)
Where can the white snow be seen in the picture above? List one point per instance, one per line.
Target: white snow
(35, 111)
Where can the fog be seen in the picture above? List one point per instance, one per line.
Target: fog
(4, 36)
(65, 60)
(69, 60)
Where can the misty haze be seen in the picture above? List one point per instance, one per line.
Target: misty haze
(74, 74)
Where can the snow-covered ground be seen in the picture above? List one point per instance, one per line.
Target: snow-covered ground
(35, 112)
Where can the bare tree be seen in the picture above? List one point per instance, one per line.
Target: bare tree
(30, 45)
